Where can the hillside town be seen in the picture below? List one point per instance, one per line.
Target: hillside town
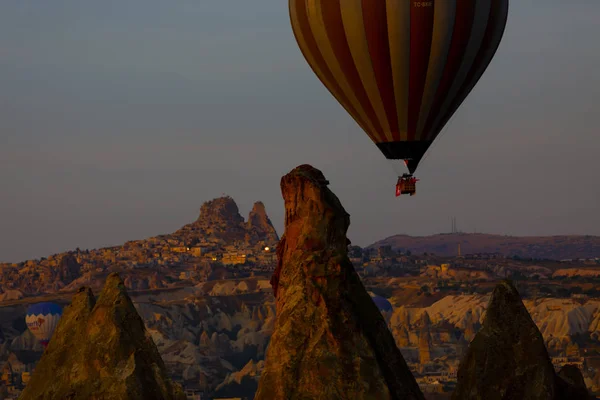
(218, 240)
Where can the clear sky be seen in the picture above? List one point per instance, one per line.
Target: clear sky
(118, 118)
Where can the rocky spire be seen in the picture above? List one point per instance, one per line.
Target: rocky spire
(424, 338)
(402, 337)
(205, 340)
(330, 340)
(101, 350)
(507, 358)
(68, 269)
(471, 325)
(260, 224)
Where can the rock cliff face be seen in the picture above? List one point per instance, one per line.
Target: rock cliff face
(330, 340)
(507, 359)
(101, 350)
(221, 219)
(218, 211)
(68, 269)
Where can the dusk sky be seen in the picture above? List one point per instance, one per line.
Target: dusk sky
(118, 119)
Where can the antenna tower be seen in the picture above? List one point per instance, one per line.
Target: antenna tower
(453, 228)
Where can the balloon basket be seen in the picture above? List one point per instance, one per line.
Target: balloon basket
(407, 184)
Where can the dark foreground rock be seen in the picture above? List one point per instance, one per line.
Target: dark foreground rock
(101, 351)
(507, 359)
(571, 384)
(330, 340)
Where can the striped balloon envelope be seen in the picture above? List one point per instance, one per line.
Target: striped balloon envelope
(381, 302)
(42, 319)
(400, 68)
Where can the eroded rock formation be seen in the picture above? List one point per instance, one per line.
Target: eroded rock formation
(507, 359)
(260, 225)
(101, 350)
(330, 340)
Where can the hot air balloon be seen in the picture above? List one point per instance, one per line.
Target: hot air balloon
(42, 319)
(400, 68)
(381, 302)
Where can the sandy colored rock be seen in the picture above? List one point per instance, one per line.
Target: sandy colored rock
(101, 351)
(330, 340)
